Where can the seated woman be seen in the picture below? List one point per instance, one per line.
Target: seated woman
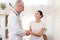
(37, 27)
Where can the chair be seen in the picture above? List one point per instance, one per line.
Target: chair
(44, 37)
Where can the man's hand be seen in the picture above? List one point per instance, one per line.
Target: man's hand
(28, 32)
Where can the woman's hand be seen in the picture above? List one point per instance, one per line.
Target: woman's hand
(28, 32)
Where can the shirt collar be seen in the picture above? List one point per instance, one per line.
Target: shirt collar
(15, 12)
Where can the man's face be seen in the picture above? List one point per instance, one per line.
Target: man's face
(20, 8)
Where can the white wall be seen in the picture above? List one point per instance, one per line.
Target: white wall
(57, 20)
(57, 24)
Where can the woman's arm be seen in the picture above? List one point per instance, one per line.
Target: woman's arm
(39, 33)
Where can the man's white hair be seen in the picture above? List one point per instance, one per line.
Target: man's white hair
(19, 2)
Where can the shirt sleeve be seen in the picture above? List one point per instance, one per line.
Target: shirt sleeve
(20, 31)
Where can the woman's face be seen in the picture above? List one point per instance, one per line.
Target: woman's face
(37, 15)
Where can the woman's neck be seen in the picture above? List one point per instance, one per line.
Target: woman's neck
(37, 21)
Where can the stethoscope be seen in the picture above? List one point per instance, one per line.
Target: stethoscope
(11, 9)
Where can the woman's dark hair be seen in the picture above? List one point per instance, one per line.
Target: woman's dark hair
(41, 13)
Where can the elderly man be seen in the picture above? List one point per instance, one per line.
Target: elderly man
(14, 23)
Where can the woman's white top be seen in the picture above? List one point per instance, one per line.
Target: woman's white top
(36, 27)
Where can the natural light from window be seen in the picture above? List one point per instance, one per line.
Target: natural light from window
(35, 2)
